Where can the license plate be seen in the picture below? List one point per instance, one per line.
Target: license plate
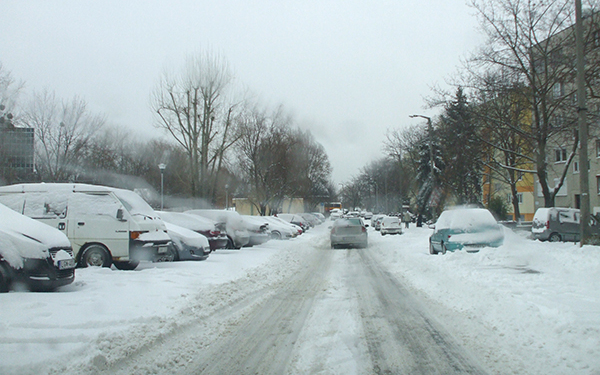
(66, 264)
(162, 249)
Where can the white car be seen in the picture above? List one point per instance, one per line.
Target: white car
(281, 229)
(390, 225)
(33, 253)
(186, 244)
(258, 228)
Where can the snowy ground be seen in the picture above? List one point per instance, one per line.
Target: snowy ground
(524, 308)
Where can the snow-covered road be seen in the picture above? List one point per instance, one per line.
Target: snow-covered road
(299, 307)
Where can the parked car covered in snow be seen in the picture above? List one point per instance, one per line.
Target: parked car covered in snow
(335, 214)
(319, 216)
(258, 228)
(350, 232)
(465, 228)
(33, 254)
(377, 224)
(185, 245)
(559, 224)
(295, 219)
(105, 225)
(390, 225)
(237, 234)
(214, 232)
(281, 229)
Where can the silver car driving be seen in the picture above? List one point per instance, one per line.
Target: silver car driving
(349, 232)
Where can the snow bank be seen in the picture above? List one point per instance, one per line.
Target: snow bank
(526, 307)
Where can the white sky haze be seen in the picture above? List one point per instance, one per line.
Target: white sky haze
(347, 70)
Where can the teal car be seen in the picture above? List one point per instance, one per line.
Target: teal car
(470, 229)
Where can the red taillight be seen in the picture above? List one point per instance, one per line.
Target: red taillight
(364, 229)
(548, 224)
(448, 237)
(214, 233)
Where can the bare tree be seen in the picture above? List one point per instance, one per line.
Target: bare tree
(533, 42)
(192, 107)
(63, 129)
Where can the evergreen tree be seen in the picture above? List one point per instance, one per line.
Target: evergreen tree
(461, 149)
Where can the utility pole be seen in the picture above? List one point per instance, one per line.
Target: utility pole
(583, 131)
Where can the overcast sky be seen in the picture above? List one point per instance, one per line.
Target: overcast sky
(348, 70)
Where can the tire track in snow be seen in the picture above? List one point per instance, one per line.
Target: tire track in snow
(264, 342)
(400, 335)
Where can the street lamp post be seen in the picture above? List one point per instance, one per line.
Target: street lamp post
(162, 167)
(432, 164)
(226, 196)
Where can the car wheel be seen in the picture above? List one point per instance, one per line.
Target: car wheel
(432, 251)
(95, 255)
(276, 235)
(229, 243)
(444, 248)
(4, 279)
(554, 237)
(127, 265)
(169, 256)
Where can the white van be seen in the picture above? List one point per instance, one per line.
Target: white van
(559, 224)
(105, 225)
(33, 254)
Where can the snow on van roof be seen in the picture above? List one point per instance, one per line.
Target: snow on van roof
(134, 203)
(50, 187)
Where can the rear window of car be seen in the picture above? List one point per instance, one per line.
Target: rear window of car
(391, 220)
(348, 221)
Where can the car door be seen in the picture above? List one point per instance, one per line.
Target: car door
(93, 218)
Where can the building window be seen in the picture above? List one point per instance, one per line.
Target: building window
(560, 155)
(598, 184)
(575, 167)
(558, 90)
(598, 148)
(519, 198)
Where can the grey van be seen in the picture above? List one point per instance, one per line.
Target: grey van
(559, 224)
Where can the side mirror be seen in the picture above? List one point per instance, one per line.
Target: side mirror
(366, 225)
(120, 215)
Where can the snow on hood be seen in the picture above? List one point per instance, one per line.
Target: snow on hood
(154, 236)
(254, 223)
(22, 237)
(189, 221)
(188, 237)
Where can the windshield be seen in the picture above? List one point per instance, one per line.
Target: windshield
(135, 204)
